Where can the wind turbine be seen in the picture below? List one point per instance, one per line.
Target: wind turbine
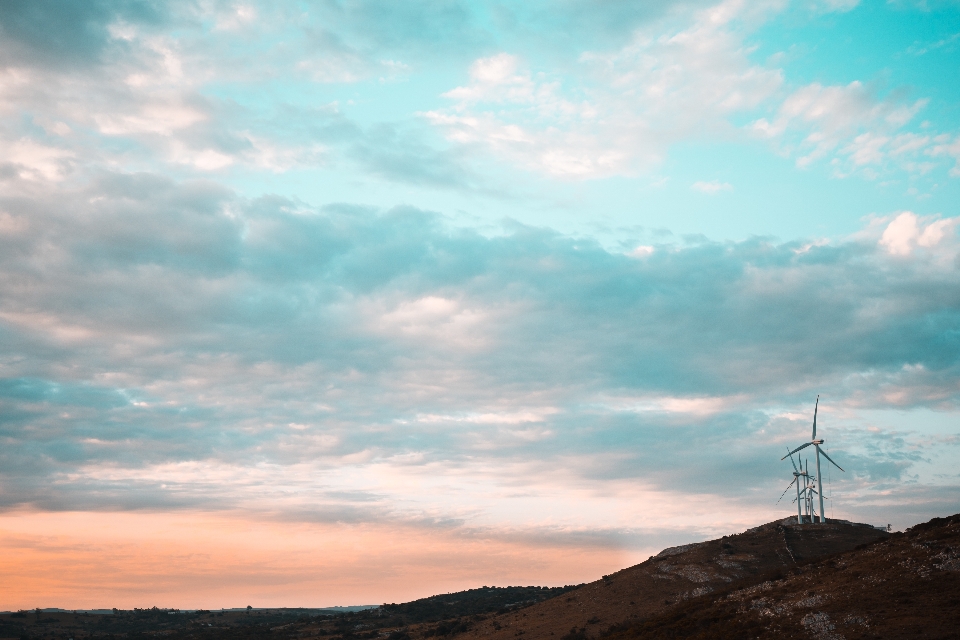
(816, 444)
(796, 481)
(808, 490)
(808, 493)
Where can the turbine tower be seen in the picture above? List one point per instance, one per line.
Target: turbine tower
(816, 444)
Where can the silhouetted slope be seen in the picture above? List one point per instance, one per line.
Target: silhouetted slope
(676, 575)
(907, 586)
(465, 603)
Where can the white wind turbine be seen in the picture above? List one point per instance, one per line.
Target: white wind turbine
(816, 444)
(804, 496)
(808, 491)
(797, 474)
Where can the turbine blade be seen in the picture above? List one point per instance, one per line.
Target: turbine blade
(815, 407)
(784, 493)
(791, 460)
(828, 458)
(803, 446)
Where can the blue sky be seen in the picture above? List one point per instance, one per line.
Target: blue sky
(566, 275)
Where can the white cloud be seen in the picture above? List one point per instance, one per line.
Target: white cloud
(432, 321)
(907, 231)
(849, 124)
(713, 187)
(236, 17)
(620, 111)
(37, 161)
(624, 108)
(515, 417)
(945, 147)
(158, 116)
(203, 159)
(147, 93)
(496, 79)
(901, 234)
(699, 406)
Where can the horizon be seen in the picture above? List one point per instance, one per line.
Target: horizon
(360, 607)
(351, 301)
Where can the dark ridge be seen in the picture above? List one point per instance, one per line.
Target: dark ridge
(467, 603)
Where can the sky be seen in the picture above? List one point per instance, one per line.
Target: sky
(347, 302)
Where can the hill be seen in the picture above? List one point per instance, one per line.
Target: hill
(907, 586)
(824, 581)
(677, 575)
(467, 603)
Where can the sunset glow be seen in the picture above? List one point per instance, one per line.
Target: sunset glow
(210, 560)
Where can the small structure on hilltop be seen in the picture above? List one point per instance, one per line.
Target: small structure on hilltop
(816, 444)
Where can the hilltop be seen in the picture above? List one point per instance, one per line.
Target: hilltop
(907, 586)
(824, 581)
(677, 575)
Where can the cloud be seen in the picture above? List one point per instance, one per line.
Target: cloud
(622, 109)
(403, 154)
(839, 5)
(32, 160)
(904, 233)
(157, 90)
(712, 187)
(944, 146)
(618, 111)
(853, 127)
(162, 337)
(66, 33)
(141, 98)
